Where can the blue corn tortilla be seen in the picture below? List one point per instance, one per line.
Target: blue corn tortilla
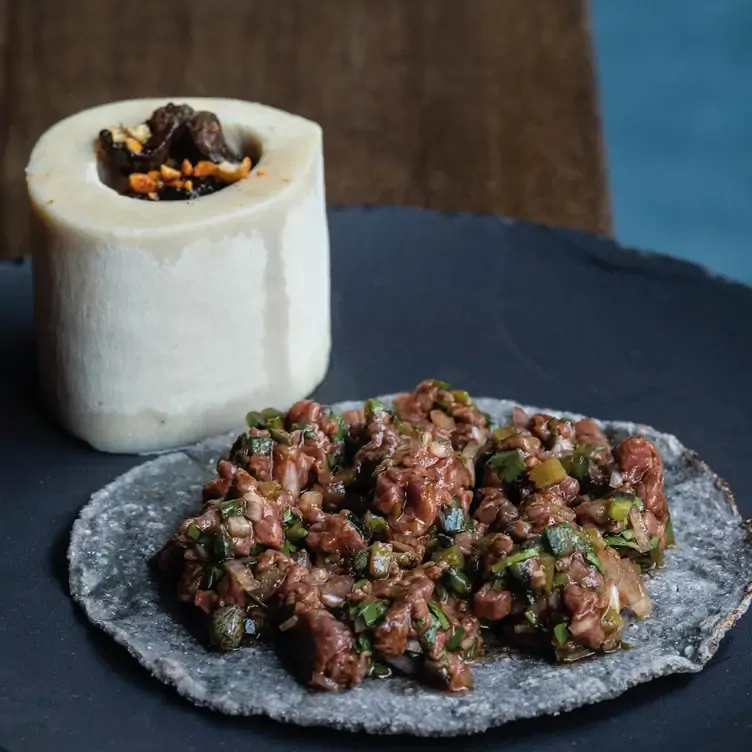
(704, 588)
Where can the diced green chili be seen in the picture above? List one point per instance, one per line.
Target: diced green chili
(453, 556)
(231, 508)
(341, 432)
(280, 436)
(515, 558)
(380, 560)
(439, 383)
(531, 617)
(620, 505)
(561, 539)
(260, 445)
(561, 633)
(210, 577)
(507, 465)
(405, 559)
(576, 466)
(438, 612)
(549, 473)
(374, 522)
(503, 433)
(456, 639)
(462, 396)
(428, 636)
(222, 544)
(254, 419)
(522, 571)
(560, 579)
(363, 643)
(458, 582)
(371, 612)
(193, 531)
(296, 532)
(452, 520)
(611, 620)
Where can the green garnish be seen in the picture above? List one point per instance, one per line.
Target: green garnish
(231, 508)
(462, 396)
(453, 556)
(594, 559)
(193, 532)
(560, 579)
(507, 465)
(357, 523)
(360, 583)
(577, 466)
(457, 637)
(438, 612)
(505, 432)
(379, 671)
(654, 541)
(619, 541)
(550, 472)
(254, 419)
(670, 539)
(439, 383)
(341, 432)
(288, 548)
(288, 516)
(531, 617)
(620, 505)
(561, 633)
(332, 461)
(515, 558)
(458, 582)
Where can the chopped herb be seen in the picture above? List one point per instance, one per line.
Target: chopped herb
(438, 612)
(296, 532)
(489, 420)
(550, 472)
(260, 445)
(515, 558)
(654, 541)
(254, 419)
(453, 556)
(561, 539)
(288, 516)
(428, 636)
(341, 433)
(458, 582)
(288, 548)
(193, 532)
(620, 541)
(281, 437)
(507, 465)
(457, 637)
(231, 508)
(531, 617)
(360, 583)
(363, 643)
(561, 633)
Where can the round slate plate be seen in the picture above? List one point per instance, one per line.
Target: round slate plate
(700, 594)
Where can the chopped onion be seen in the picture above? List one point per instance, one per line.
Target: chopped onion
(288, 624)
(442, 420)
(642, 537)
(254, 507)
(311, 499)
(332, 600)
(238, 527)
(616, 479)
(580, 626)
(440, 449)
(241, 575)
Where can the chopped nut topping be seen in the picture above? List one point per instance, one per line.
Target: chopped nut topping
(186, 168)
(188, 185)
(140, 132)
(154, 175)
(204, 169)
(141, 183)
(169, 174)
(230, 173)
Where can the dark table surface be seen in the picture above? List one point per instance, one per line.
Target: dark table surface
(548, 317)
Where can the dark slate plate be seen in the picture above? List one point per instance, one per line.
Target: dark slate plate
(700, 594)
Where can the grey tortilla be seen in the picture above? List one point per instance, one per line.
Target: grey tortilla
(699, 595)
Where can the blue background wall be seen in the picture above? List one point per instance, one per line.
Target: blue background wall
(676, 96)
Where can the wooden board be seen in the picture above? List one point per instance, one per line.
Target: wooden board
(481, 105)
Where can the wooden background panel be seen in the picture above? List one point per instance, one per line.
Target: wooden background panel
(482, 105)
